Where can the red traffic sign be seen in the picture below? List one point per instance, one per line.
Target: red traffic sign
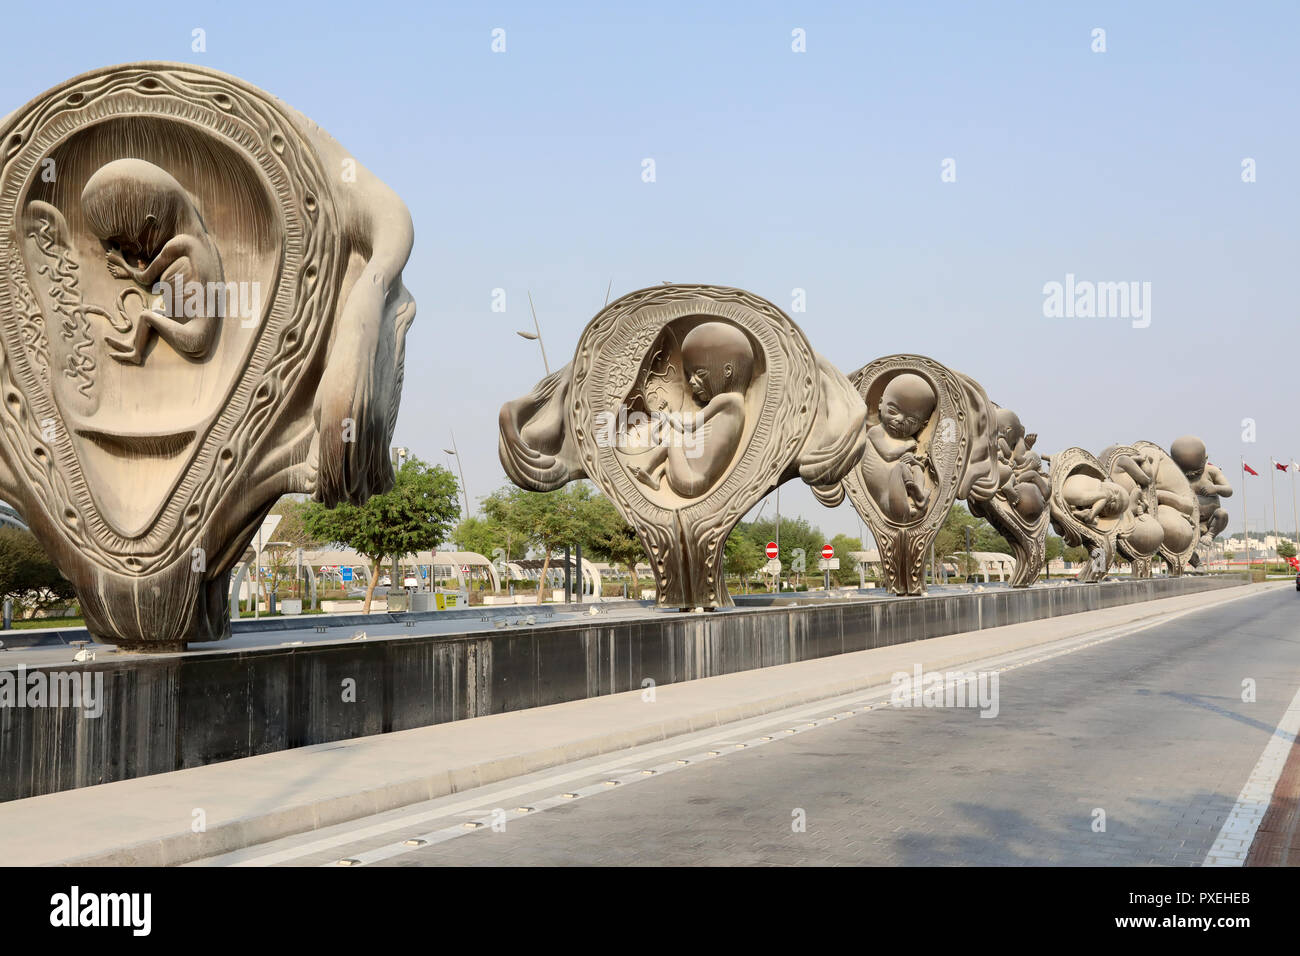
(828, 552)
(771, 549)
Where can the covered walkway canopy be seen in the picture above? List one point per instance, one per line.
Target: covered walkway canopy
(444, 565)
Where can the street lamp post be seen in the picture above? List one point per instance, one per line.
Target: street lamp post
(461, 468)
(536, 336)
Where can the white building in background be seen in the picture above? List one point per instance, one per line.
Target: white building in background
(1265, 545)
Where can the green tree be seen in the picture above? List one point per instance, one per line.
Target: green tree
(1285, 549)
(843, 545)
(951, 539)
(545, 520)
(27, 575)
(279, 556)
(482, 536)
(612, 539)
(1076, 555)
(1055, 547)
(743, 555)
(800, 542)
(416, 515)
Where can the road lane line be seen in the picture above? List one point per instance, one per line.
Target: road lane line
(1238, 832)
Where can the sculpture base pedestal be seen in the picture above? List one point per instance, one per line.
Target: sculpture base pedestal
(164, 712)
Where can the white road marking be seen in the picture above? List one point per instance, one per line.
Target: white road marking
(1243, 822)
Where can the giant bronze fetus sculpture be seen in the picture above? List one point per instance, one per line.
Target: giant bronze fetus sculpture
(202, 310)
(1208, 484)
(1113, 504)
(686, 404)
(931, 438)
(1019, 511)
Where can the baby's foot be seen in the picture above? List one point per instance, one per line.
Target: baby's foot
(125, 352)
(646, 478)
(117, 266)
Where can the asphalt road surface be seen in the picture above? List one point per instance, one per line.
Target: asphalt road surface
(1127, 750)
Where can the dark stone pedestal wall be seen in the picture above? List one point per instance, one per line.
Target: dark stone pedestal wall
(169, 712)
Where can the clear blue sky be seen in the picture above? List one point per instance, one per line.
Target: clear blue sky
(819, 170)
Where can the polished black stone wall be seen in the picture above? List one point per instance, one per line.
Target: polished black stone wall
(169, 712)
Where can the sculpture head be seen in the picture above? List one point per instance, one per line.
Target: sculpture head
(1190, 455)
(1117, 499)
(1009, 428)
(906, 405)
(135, 207)
(717, 358)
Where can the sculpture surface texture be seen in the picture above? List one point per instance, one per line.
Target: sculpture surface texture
(686, 404)
(202, 310)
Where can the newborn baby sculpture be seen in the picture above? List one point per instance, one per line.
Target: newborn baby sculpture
(686, 404)
(1019, 510)
(203, 310)
(1207, 483)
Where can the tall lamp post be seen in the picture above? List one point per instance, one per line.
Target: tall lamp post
(536, 336)
(400, 455)
(461, 468)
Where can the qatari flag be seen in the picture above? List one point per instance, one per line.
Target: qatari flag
(1249, 469)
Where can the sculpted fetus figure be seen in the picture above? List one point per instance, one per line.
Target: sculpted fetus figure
(153, 234)
(718, 362)
(1091, 499)
(1024, 484)
(895, 474)
(1176, 509)
(1207, 481)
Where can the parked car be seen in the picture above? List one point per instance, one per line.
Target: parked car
(411, 581)
(385, 582)
(1297, 581)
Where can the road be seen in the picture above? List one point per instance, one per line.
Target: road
(1106, 750)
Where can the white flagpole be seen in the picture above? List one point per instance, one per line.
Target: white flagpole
(1292, 468)
(1245, 513)
(1272, 470)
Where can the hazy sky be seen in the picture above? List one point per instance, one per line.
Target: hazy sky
(821, 170)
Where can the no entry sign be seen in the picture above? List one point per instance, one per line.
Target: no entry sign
(828, 552)
(771, 549)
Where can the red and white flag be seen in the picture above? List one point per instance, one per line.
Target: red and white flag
(1249, 469)
(1278, 465)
